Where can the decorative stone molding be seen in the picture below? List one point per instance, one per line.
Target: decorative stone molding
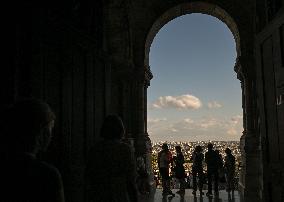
(148, 75)
(238, 69)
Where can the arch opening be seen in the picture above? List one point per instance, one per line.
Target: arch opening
(195, 7)
(188, 8)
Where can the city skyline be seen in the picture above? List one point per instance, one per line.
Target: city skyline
(194, 94)
(188, 149)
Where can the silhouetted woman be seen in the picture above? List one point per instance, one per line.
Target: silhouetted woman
(111, 171)
(179, 169)
(26, 129)
(229, 170)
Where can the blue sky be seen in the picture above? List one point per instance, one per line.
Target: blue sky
(195, 94)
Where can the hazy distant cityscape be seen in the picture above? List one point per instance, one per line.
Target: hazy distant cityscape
(188, 148)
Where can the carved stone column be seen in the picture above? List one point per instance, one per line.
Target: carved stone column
(143, 143)
(242, 145)
(148, 76)
(126, 87)
(121, 98)
(252, 148)
(250, 179)
(140, 137)
(143, 146)
(240, 76)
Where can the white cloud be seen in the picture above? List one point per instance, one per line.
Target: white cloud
(196, 129)
(179, 102)
(174, 130)
(188, 120)
(232, 131)
(214, 105)
(157, 120)
(236, 119)
(209, 123)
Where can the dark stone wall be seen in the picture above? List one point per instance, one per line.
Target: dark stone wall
(55, 52)
(270, 75)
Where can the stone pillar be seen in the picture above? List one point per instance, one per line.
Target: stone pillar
(240, 76)
(143, 146)
(250, 176)
(141, 136)
(126, 110)
(131, 104)
(148, 76)
(252, 186)
(243, 165)
(242, 146)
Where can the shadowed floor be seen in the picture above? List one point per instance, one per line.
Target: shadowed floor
(188, 197)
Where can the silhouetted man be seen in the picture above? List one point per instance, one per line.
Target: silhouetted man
(212, 160)
(197, 169)
(26, 129)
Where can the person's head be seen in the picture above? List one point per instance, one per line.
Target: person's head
(165, 146)
(27, 125)
(178, 148)
(228, 151)
(112, 128)
(210, 146)
(198, 149)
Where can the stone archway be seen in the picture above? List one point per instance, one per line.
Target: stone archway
(128, 51)
(188, 8)
(250, 179)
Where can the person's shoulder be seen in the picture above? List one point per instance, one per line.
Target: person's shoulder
(97, 147)
(123, 146)
(49, 169)
(42, 171)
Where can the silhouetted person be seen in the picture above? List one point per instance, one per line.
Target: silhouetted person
(111, 171)
(229, 167)
(197, 169)
(220, 167)
(219, 159)
(213, 162)
(26, 129)
(164, 161)
(179, 169)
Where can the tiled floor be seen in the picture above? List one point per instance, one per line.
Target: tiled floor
(188, 197)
